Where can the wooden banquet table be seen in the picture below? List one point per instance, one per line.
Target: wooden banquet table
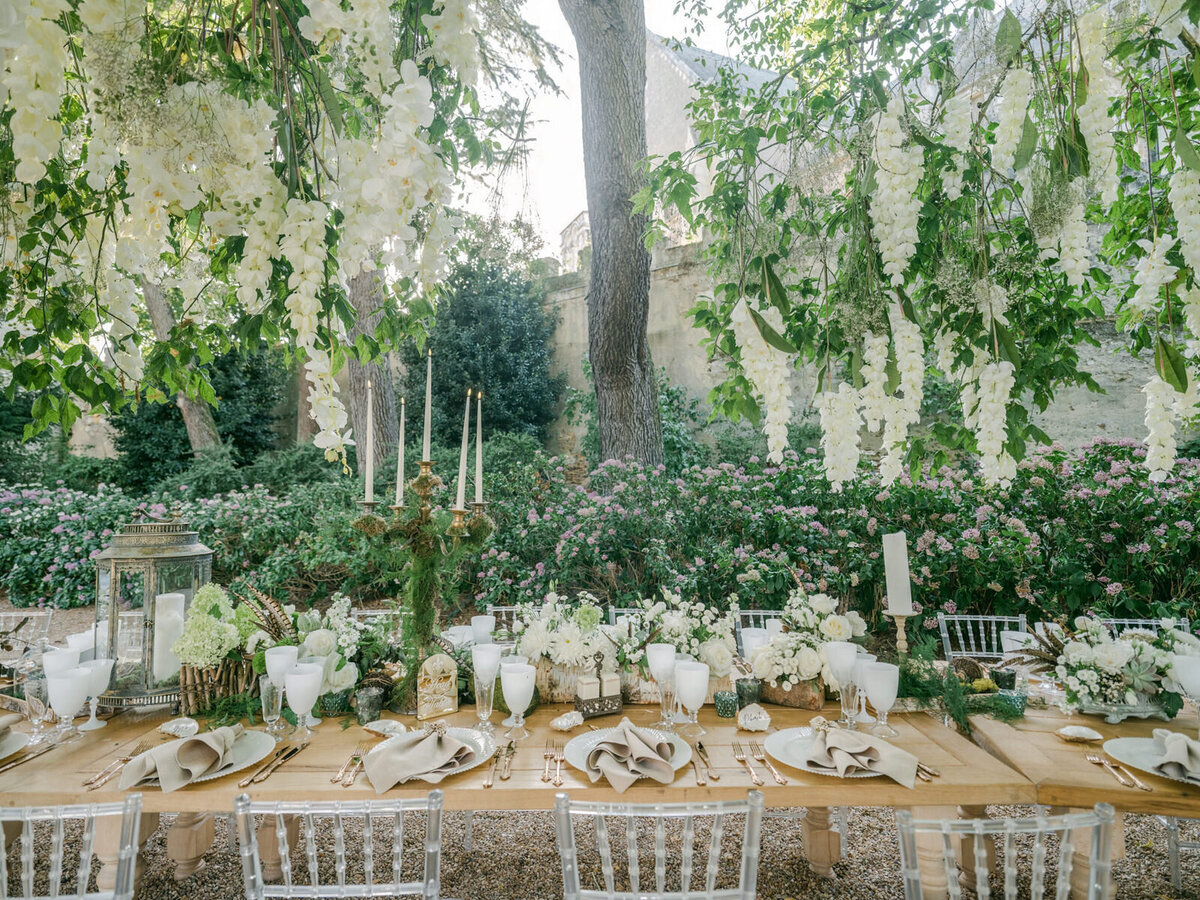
(969, 776)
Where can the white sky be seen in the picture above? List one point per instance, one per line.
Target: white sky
(550, 191)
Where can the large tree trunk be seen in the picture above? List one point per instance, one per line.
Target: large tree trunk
(197, 415)
(366, 296)
(611, 39)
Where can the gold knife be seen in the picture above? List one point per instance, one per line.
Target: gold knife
(491, 775)
(263, 776)
(26, 758)
(712, 773)
(506, 767)
(249, 778)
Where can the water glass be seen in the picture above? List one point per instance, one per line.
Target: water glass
(67, 692)
(485, 660)
(37, 702)
(841, 656)
(882, 683)
(302, 685)
(100, 671)
(864, 658)
(661, 659)
(517, 680)
(511, 660)
(691, 684)
(271, 694)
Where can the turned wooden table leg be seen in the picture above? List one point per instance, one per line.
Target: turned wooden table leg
(931, 858)
(188, 839)
(822, 845)
(107, 847)
(268, 844)
(1081, 857)
(966, 848)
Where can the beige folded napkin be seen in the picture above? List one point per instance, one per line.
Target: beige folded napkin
(630, 753)
(427, 755)
(1178, 755)
(176, 764)
(851, 751)
(7, 722)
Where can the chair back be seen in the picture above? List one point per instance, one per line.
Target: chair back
(388, 845)
(978, 637)
(757, 618)
(506, 616)
(21, 630)
(1116, 626)
(655, 817)
(41, 833)
(615, 612)
(372, 618)
(1006, 832)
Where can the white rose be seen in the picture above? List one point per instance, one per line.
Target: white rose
(857, 623)
(808, 663)
(822, 603)
(343, 679)
(321, 642)
(718, 656)
(1113, 656)
(837, 628)
(1076, 652)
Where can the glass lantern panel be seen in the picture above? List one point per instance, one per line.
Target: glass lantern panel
(176, 576)
(127, 673)
(103, 609)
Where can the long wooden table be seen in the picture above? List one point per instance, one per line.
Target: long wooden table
(969, 776)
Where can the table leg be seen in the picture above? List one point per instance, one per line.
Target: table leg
(268, 844)
(966, 849)
(12, 831)
(822, 845)
(930, 852)
(107, 847)
(1081, 857)
(187, 841)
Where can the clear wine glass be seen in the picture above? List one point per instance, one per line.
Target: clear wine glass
(1187, 673)
(661, 660)
(485, 660)
(864, 659)
(279, 662)
(841, 655)
(882, 682)
(100, 671)
(67, 692)
(303, 685)
(691, 684)
(517, 681)
(37, 702)
(271, 695)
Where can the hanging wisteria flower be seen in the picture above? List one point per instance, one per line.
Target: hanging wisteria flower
(1011, 108)
(1190, 300)
(873, 395)
(996, 381)
(992, 301)
(454, 31)
(959, 120)
(1184, 194)
(840, 424)
(1160, 425)
(895, 206)
(1167, 16)
(902, 410)
(768, 370)
(1153, 271)
(35, 82)
(1095, 124)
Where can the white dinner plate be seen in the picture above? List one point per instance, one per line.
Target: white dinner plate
(1137, 753)
(578, 748)
(790, 747)
(249, 748)
(484, 746)
(13, 741)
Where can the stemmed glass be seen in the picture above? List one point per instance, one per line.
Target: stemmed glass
(303, 684)
(100, 672)
(1187, 673)
(517, 680)
(67, 692)
(691, 683)
(271, 694)
(863, 660)
(38, 709)
(882, 681)
(511, 660)
(279, 662)
(485, 660)
(840, 656)
(661, 659)
(59, 660)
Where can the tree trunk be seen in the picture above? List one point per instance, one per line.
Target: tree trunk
(610, 36)
(197, 415)
(366, 296)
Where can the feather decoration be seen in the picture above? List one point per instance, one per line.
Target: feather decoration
(275, 622)
(1042, 653)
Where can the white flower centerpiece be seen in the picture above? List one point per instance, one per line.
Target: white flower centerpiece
(695, 630)
(792, 665)
(1129, 675)
(561, 640)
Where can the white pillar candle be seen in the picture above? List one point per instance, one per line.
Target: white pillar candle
(370, 461)
(462, 457)
(400, 460)
(479, 446)
(895, 563)
(168, 626)
(428, 406)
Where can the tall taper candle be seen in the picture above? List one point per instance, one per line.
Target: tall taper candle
(462, 457)
(479, 446)
(370, 443)
(899, 584)
(400, 460)
(428, 406)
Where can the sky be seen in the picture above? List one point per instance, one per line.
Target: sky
(549, 192)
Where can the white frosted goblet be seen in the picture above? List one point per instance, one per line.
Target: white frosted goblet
(59, 660)
(302, 685)
(517, 680)
(511, 660)
(1187, 673)
(67, 692)
(773, 626)
(100, 671)
(691, 685)
(882, 682)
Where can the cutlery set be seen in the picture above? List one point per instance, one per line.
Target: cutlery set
(1123, 775)
(502, 763)
(280, 756)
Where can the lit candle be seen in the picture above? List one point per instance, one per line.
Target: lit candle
(168, 628)
(462, 457)
(428, 406)
(370, 443)
(479, 446)
(895, 564)
(400, 460)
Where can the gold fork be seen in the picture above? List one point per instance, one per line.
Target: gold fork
(548, 755)
(357, 754)
(115, 766)
(1098, 760)
(559, 758)
(740, 756)
(757, 752)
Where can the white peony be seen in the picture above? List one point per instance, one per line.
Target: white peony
(342, 679)
(719, 657)
(1113, 656)
(1076, 653)
(822, 603)
(321, 642)
(837, 628)
(857, 623)
(808, 663)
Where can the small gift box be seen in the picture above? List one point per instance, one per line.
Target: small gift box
(599, 694)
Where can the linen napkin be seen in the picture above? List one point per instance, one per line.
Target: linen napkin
(630, 753)
(7, 722)
(1178, 755)
(851, 751)
(176, 764)
(428, 755)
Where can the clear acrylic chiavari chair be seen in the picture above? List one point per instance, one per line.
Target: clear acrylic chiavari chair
(977, 637)
(380, 848)
(1007, 834)
(66, 864)
(697, 878)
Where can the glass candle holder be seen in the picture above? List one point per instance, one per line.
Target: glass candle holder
(726, 703)
(368, 703)
(1006, 679)
(748, 691)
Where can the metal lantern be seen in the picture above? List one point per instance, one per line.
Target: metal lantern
(145, 582)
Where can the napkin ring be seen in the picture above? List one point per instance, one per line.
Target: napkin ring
(438, 728)
(821, 725)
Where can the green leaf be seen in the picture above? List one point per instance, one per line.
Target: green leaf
(329, 98)
(1196, 71)
(1170, 365)
(1008, 38)
(1008, 346)
(893, 374)
(769, 334)
(1025, 149)
(1186, 151)
(776, 293)
(1081, 86)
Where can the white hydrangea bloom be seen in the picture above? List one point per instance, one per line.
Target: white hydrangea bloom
(1184, 193)
(768, 369)
(895, 207)
(1011, 107)
(1153, 271)
(840, 424)
(1160, 425)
